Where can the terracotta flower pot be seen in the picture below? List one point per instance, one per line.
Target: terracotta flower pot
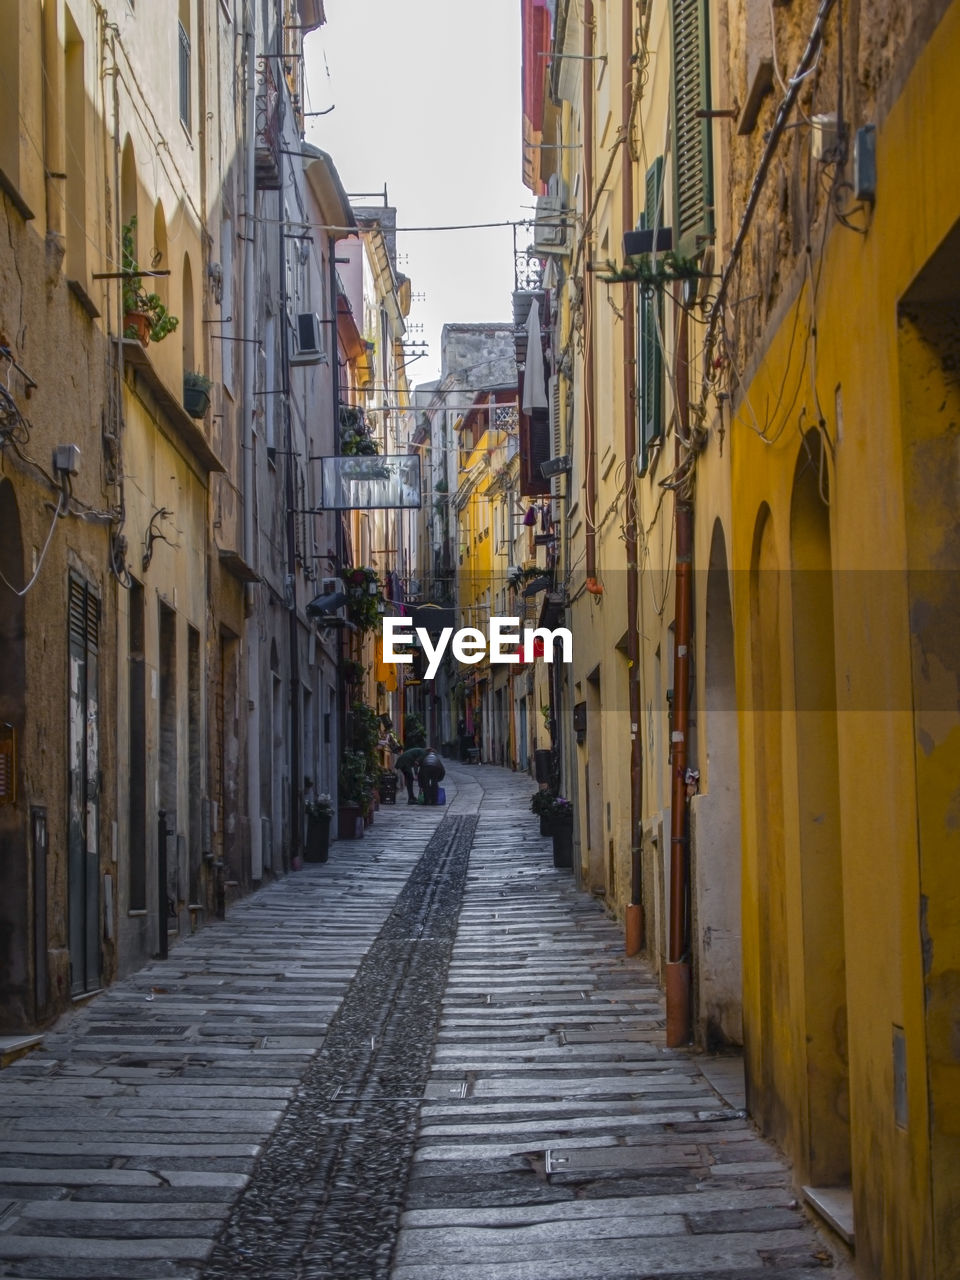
(140, 322)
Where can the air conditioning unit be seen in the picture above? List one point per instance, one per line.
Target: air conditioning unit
(555, 466)
(328, 586)
(551, 229)
(307, 344)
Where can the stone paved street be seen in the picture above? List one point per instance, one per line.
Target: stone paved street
(553, 1136)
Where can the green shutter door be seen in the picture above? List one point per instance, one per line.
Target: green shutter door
(693, 170)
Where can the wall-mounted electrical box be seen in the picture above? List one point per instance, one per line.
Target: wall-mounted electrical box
(865, 163)
(823, 135)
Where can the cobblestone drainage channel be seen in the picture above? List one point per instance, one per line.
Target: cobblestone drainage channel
(326, 1195)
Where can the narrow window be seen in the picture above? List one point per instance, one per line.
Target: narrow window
(184, 76)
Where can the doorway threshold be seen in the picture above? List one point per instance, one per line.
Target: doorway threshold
(835, 1206)
(83, 996)
(14, 1047)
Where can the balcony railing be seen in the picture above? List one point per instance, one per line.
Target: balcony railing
(267, 164)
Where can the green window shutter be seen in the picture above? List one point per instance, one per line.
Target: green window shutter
(649, 316)
(693, 168)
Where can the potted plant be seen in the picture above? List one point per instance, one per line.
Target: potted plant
(196, 393)
(414, 731)
(353, 671)
(356, 440)
(354, 794)
(145, 318)
(364, 599)
(561, 828)
(541, 803)
(319, 813)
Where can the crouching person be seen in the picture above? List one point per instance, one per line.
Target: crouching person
(431, 774)
(407, 764)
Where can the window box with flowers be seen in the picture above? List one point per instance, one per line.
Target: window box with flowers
(319, 812)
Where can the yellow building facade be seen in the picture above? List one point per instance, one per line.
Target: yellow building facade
(846, 613)
(766, 767)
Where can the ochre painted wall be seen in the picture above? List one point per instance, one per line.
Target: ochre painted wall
(882, 832)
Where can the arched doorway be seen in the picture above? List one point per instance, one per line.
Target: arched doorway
(767, 1045)
(17, 1000)
(929, 356)
(818, 820)
(715, 825)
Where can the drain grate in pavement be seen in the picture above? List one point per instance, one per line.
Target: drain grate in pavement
(325, 1198)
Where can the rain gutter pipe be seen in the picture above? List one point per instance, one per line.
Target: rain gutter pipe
(678, 961)
(634, 911)
(290, 461)
(589, 372)
(249, 460)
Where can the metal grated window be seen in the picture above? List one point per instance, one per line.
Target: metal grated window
(184, 76)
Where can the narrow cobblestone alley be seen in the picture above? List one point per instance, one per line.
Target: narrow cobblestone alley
(426, 1059)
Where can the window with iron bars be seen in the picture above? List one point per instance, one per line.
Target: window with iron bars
(184, 76)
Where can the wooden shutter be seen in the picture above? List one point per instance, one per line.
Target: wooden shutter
(649, 328)
(83, 852)
(693, 171)
(553, 395)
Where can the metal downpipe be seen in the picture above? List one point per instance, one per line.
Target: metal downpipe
(678, 963)
(252, 623)
(634, 923)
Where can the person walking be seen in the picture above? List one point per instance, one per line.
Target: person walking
(406, 763)
(431, 773)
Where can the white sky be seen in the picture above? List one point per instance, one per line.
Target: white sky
(427, 96)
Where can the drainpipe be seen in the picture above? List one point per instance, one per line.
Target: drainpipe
(252, 628)
(296, 765)
(678, 961)
(340, 643)
(634, 911)
(589, 369)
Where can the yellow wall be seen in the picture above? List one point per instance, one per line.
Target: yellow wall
(850, 912)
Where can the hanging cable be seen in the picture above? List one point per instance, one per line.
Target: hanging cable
(36, 573)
